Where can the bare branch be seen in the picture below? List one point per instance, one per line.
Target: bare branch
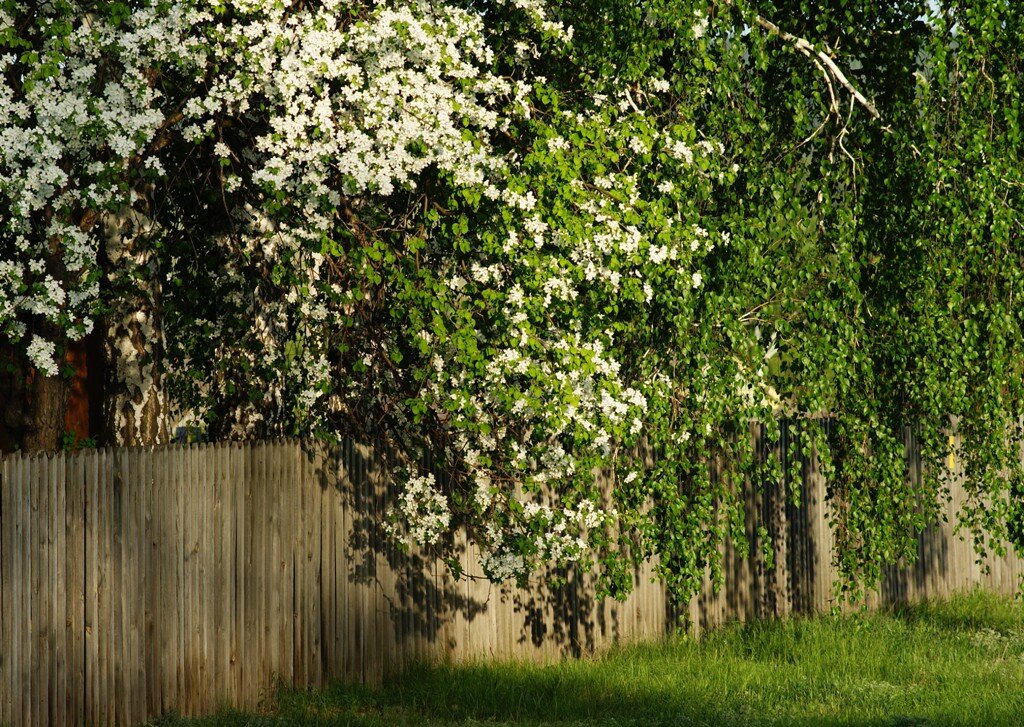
(804, 46)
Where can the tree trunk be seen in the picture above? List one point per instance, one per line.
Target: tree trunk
(44, 414)
(32, 406)
(13, 401)
(36, 405)
(135, 405)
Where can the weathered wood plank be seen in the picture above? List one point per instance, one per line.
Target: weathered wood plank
(90, 467)
(119, 586)
(40, 591)
(149, 667)
(280, 623)
(264, 587)
(207, 569)
(252, 595)
(21, 673)
(23, 623)
(6, 576)
(300, 635)
(58, 592)
(141, 493)
(170, 487)
(272, 554)
(157, 518)
(328, 606)
(108, 694)
(284, 580)
(16, 524)
(190, 643)
(317, 483)
(297, 487)
(223, 575)
(353, 577)
(132, 564)
(384, 592)
(76, 588)
(343, 503)
(367, 634)
(238, 556)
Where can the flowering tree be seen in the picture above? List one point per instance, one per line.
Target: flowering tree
(532, 240)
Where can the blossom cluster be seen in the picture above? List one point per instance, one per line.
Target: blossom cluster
(75, 113)
(384, 232)
(423, 510)
(314, 116)
(511, 368)
(559, 397)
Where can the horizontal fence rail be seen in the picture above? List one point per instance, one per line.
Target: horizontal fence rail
(138, 581)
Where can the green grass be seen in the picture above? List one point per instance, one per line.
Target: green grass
(959, 662)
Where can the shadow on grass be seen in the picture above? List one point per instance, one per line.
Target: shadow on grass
(441, 697)
(469, 696)
(919, 665)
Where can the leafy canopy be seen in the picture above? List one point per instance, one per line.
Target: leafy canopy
(544, 240)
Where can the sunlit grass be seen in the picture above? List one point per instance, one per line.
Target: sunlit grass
(959, 662)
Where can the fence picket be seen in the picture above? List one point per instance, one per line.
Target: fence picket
(6, 577)
(58, 594)
(40, 592)
(120, 581)
(252, 635)
(109, 586)
(238, 555)
(141, 573)
(149, 539)
(193, 637)
(203, 459)
(156, 541)
(281, 576)
(19, 658)
(222, 573)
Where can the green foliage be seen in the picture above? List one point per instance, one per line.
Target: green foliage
(861, 279)
(882, 256)
(644, 242)
(72, 442)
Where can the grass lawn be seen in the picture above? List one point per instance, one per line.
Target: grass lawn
(954, 663)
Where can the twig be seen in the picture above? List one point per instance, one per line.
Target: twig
(842, 135)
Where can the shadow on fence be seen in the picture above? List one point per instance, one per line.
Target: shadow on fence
(136, 581)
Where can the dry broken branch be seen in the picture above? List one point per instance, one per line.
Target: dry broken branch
(807, 48)
(820, 58)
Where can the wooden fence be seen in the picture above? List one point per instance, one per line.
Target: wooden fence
(138, 581)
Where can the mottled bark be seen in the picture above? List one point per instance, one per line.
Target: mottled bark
(135, 405)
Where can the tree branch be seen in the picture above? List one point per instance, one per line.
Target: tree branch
(807, 48)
